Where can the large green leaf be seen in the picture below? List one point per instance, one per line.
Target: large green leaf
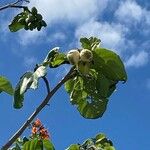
(47, 144)
(28, 81)
(110, 64)
(5, 86)
(89, 94)
(92, 110)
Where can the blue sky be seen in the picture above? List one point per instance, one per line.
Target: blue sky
(124, 27)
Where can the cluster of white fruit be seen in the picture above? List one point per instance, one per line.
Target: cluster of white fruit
(81, 59)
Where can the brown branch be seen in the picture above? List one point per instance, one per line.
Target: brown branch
(70, 74)
(13, 5)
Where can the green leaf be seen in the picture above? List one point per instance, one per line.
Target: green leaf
(92, 110)
(40, 72)
(85, 43)
(48, 145)
(16, 147)
(90, 43)
(51, 54)
(58, 60)
(15, 25)
(34, 144)
(69, 85)
(90, 101)
(110, 64)
(24, 83)
(104, 86)
(73, 147)
(92, 144)
(109, 148)
(99, 137)
(55, 59)
(5, 86)
(28, 81)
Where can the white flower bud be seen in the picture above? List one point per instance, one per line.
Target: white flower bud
(73, 57)
(86, 55)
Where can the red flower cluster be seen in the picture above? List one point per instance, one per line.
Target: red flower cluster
(38, 130)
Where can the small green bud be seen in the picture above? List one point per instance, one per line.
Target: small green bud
(34, 11)
(39, 17)
(43, 23)
(26, 27)
(39, 27)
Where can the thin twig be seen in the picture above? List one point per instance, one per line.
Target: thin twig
(70, 74)
(46, 83)
(18, 6)
(13, 5)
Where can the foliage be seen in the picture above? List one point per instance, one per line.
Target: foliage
(5, 86)
(90, 43)
(100, 142)
(39, 139)
(28, 81)
(54, 58)
(90, 92)
(28, 20)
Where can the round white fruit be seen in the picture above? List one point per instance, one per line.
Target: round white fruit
(86, 55)
(73, 56)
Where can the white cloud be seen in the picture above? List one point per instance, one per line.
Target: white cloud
(75, 11)
(56, 36)
(131, 12)
(111, 34)
(28, 37)
(138, 60)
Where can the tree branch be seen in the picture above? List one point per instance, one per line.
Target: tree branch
(13, 5)
(70, 74)
(46, 83)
